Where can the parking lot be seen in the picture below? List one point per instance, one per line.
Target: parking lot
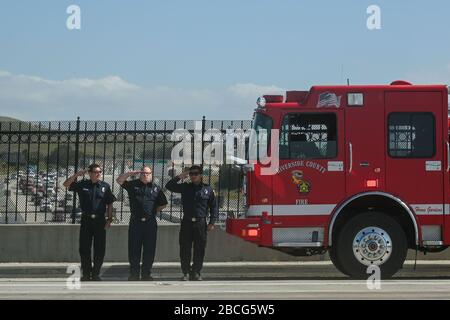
(56, 205)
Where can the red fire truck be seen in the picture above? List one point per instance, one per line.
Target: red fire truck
(363, 174)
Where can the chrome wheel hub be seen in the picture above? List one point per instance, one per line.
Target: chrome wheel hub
(372, 246)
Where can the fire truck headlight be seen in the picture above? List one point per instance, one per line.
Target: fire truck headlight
(261, 102)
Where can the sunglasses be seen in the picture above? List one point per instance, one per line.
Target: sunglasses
(194, 174)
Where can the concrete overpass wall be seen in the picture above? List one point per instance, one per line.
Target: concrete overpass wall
(59, 243)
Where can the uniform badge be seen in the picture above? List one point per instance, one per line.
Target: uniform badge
(156, 189)
(103, 189)
(303, 186)
(206, 191)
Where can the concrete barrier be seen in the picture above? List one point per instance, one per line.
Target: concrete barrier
(59, 243)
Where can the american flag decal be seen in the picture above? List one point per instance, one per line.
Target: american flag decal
(328, 99)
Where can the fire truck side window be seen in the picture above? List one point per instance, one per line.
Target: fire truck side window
(308, 136)
(411, 135)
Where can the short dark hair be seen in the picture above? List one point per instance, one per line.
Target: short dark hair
(196, 167)
(93, 166)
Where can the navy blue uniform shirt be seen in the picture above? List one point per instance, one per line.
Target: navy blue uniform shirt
(145, 198)
(196, 199)
(93, 196)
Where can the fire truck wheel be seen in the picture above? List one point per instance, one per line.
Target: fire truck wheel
(371, 238)
(335, 260)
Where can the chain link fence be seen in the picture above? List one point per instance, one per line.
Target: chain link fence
(37, 157)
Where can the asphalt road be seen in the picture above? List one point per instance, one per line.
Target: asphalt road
(228, 290)
(236, 281)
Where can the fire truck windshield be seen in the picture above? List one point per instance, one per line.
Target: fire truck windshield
(262, 124)
(262, 121)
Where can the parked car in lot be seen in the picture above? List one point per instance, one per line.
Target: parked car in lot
(46, 206)
(38, 200)
(76, 215)
(59, 215)
(175, 200)
(69, 196)
(35, 196)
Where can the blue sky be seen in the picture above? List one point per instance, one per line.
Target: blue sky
(183, 59)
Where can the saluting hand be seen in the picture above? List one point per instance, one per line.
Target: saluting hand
(81, 173)
(184, 175)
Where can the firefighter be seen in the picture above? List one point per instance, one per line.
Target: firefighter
(95, 199)
(197, 198)
(146, 200)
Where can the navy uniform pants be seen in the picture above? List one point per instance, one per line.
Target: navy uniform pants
(92, 230)
(142, 244)
(192, 234)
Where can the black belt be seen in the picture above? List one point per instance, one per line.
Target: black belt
(92, 215)
(194, 219)
(143, 219)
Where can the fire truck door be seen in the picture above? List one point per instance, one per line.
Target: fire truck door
(414, 152)
(310, 181)
(365, 145)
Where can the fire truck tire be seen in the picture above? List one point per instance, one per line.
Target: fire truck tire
(371, 238)
(335, 260)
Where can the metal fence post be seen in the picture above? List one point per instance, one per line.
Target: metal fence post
(77, 149)
(203, 136)
(7, 174)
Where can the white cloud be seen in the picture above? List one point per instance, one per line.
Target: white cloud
(250, 90)
(34, 98)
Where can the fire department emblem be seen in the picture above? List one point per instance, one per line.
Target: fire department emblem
(303, 186)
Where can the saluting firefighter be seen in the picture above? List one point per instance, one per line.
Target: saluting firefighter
(96, 198)
(146, 200)
(197, 198)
